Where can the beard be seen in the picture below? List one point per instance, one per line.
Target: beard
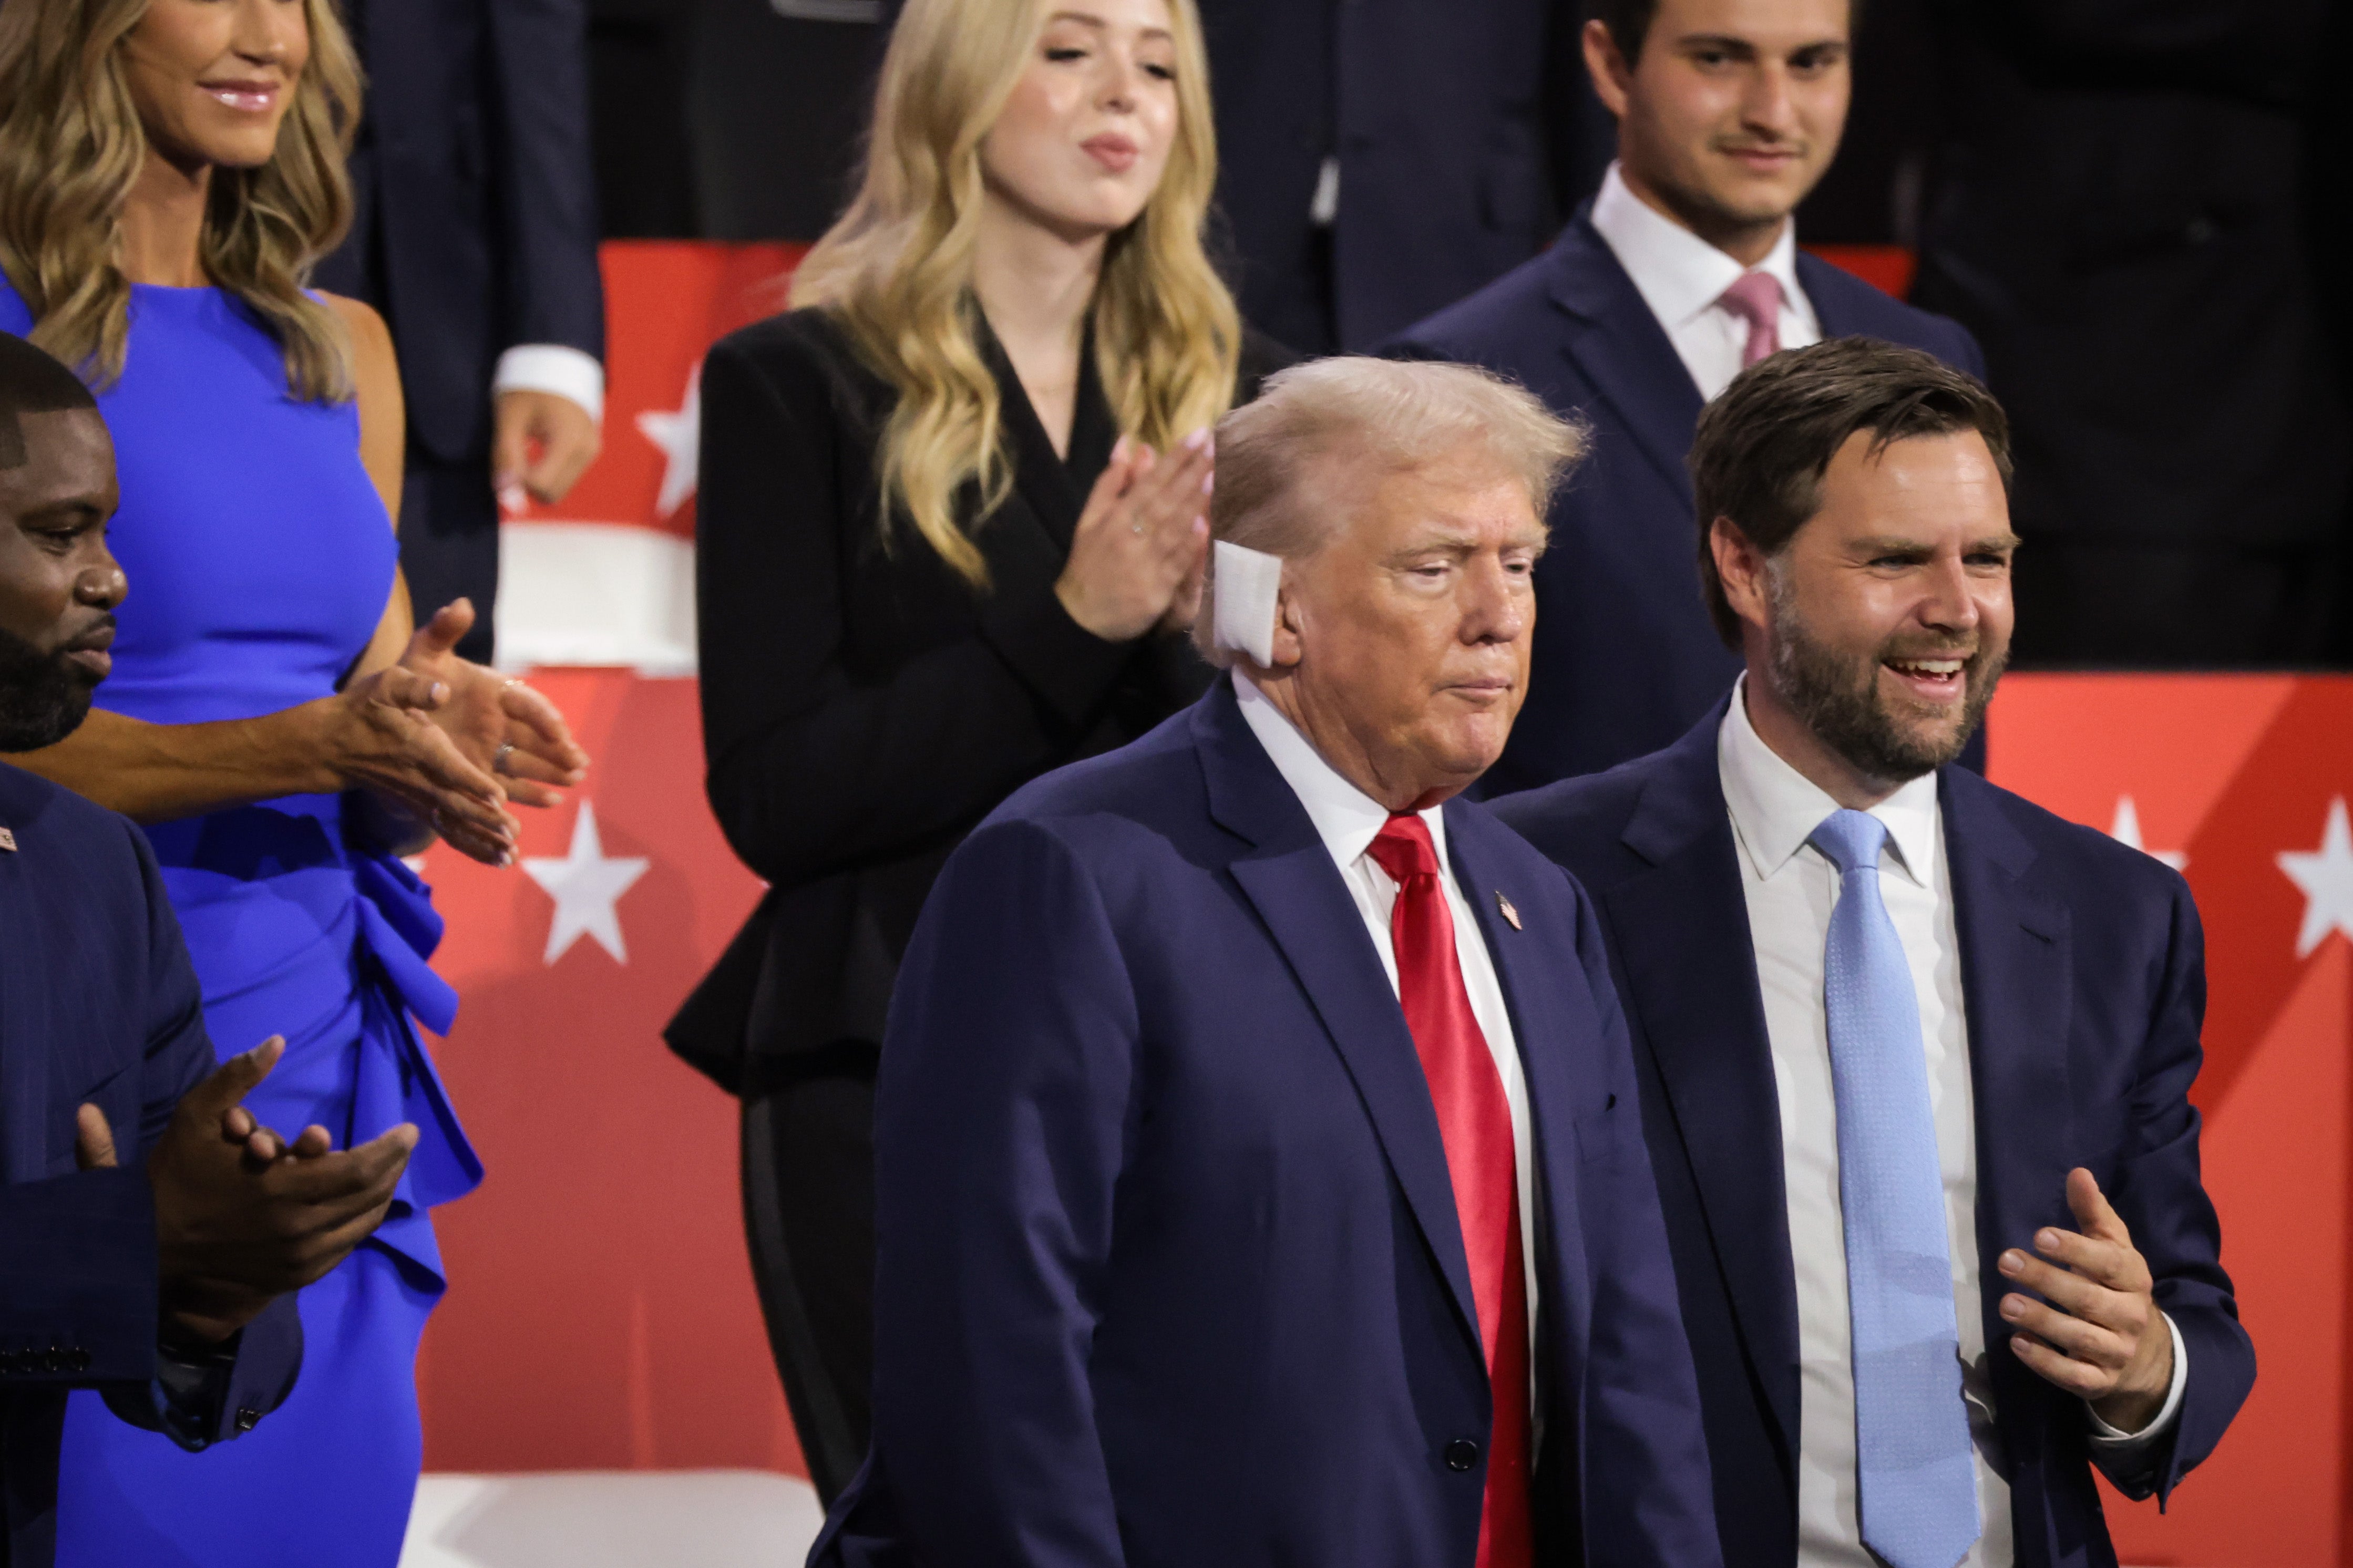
(1836, 695)
(43, 699)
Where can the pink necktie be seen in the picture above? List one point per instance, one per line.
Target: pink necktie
(1756, 299)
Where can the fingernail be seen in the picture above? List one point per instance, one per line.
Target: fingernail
(2048, 1241)
(513, 497)
(1119, 449)
(1197, 439)
(2011, 1305)
(1209, 481)
(2011, 1262)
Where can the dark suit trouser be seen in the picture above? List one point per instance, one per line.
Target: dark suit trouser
(449, 541)
(808, 1212)
(2096, 603)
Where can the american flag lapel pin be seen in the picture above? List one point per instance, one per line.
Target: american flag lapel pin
(1502, 903)
(7, 840)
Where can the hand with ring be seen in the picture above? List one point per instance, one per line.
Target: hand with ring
(498, 724)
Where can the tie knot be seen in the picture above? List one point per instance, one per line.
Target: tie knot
(1851, 840)
(1756, 299)
(1403, 849)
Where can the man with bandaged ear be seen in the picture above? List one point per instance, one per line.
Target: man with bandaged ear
(1259, 1177)
(152, 1234)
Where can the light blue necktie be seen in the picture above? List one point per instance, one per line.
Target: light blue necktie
(1917, 1483)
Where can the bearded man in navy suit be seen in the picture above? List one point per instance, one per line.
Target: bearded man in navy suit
(1915, 1054)
(1259, 1170)
(1680, 271)
(151, 1234)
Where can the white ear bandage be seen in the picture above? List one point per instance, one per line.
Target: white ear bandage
(1248, 582)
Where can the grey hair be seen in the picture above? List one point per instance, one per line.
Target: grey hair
(1386, 417)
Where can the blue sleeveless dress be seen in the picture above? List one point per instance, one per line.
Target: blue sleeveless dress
(259, 562)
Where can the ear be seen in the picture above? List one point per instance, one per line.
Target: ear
(1613, 77)
(1289, 646)
(1740, 567)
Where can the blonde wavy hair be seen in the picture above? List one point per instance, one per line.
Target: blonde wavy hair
(896, 270)
(72, 147)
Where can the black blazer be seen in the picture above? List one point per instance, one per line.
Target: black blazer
(2083, 965)
(100, 1006)
(474, 222)
(1626, 658)
(862, 706)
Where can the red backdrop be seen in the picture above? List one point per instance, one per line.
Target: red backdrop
(601, 1312)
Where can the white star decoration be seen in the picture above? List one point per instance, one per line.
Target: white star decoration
(678, 435)
(2327, 878)
(585, 886)
(2127, 832)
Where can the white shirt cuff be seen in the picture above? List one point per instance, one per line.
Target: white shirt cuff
(2107, 1436)
(552, 367)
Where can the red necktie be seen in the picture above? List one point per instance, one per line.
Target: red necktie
(1475, 1123)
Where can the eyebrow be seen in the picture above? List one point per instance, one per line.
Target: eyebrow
(1088, 19)
(1896, 544)
(1738, 46)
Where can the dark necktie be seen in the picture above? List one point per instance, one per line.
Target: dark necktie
(1474, 1120)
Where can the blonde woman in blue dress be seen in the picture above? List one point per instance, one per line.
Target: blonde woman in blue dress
(169, 169)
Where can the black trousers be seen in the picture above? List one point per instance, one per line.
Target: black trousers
(808, 1212)
(449, 542)
(2097, 603)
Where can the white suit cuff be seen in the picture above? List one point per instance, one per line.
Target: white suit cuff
(552, 367)
(2108, 1436)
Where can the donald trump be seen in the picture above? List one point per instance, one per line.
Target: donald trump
(1260, 1178)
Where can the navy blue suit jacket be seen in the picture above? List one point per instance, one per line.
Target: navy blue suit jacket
(98, 1005)
(474, 226)
(1626, 658)
(2083, 970)
(1169, 1270)
(1456, 127)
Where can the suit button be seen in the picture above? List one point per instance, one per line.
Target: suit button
(248, 1419)
(7, 1363)
(1461, 1454)
(56, 1360)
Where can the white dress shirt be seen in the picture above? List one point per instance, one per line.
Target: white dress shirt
(552, 367)
(1791, 889)
(1348, 820)
(1681, 277)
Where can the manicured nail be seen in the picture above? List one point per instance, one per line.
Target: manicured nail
(1209, 482)
(1119, 449)
(1197, 439)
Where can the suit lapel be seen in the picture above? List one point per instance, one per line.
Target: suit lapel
(25, 1112)
(1623, 351)
(2016, 983)
(1289, 880)
(1706, 1033)
(1531, 998)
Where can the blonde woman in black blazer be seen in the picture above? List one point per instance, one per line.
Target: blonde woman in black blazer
(952, 520)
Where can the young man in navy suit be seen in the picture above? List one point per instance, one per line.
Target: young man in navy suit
(1258, 1177)
(1681, 269)
(1915, 1055)
(150, 1233)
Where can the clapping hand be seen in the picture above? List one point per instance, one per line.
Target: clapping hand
(498, 724)
(1136, 554)
(242, 1215)
(2097, 1332)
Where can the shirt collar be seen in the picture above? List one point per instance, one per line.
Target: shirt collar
(1775, 808)
(1678, 274)
(1345, 817)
